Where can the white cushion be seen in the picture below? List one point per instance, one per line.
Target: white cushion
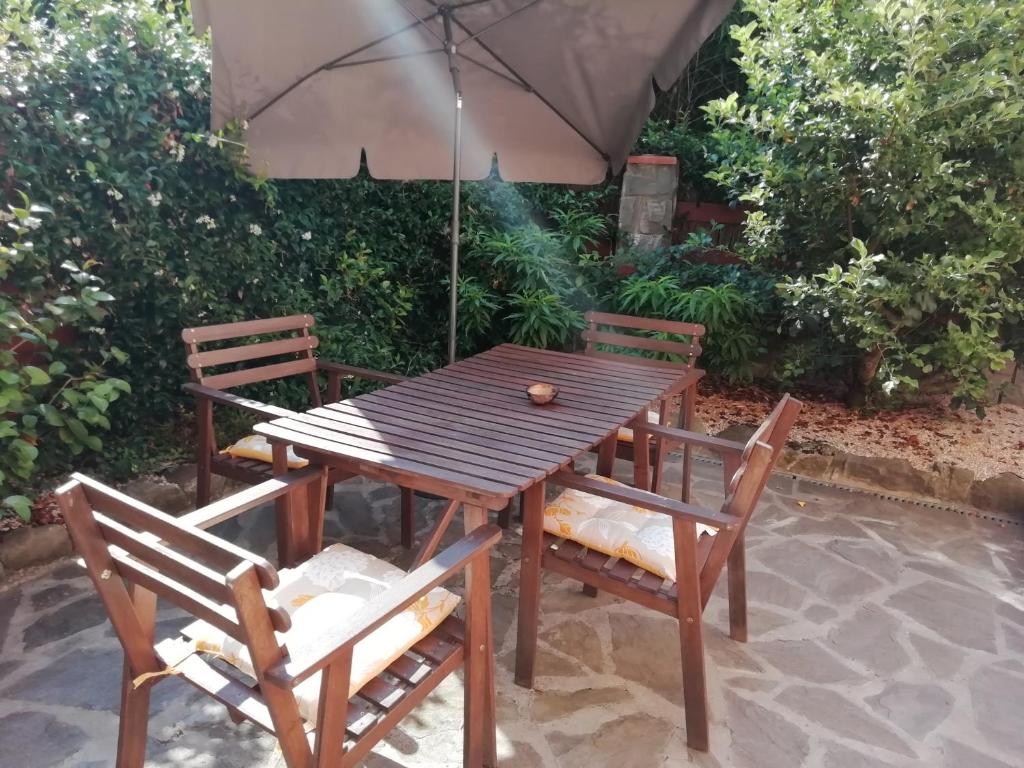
(321, 595)
(635, 534)
(257, 447)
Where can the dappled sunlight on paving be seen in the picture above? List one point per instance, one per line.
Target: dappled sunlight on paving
(881, 634)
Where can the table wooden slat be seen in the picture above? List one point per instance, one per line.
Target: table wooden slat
(468, 431)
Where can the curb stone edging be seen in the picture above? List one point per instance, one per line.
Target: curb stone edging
(1002, 494)
(172, 492)
(33, 545)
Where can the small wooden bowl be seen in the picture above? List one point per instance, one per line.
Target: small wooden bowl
(542, 394)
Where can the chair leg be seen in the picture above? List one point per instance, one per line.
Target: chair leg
(408, 517)
(480, 742)
(204, 452)
(134, 723)
(738, 591)
(529, 584)
(133, 726)
(691, 640)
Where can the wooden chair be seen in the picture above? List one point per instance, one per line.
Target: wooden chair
(603, 340)
(695, 559)
(135, 554)
(292, 348)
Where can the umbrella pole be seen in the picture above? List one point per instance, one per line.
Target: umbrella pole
(456, 194)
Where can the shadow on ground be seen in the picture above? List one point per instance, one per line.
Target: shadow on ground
(881, 634)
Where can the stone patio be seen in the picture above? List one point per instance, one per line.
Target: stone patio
(881, 634)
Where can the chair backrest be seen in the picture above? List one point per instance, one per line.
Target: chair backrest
(689, 350)
(126, 544)
(292, 347)
(747, 482)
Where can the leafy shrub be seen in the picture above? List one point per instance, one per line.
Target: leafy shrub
(48, 392)
(535, 290)
(729, 314)
(883, 146)
(103, 113)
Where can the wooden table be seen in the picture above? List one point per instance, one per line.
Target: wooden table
(467, 432)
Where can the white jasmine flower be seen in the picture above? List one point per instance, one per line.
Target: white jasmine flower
(213, 140)
(256, 229)
(155, 198)
(307, 235)
(115, 194)
(207, 220)
(76, 241)
(232, 198)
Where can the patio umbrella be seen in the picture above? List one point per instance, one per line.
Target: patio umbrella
(555, 90)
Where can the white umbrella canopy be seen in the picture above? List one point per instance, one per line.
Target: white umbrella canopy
(552, 90)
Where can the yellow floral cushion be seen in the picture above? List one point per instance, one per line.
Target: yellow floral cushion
(256, 447)
(626, 435)
(634, 534)
(321, 595)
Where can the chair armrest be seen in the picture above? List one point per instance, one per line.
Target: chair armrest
(360, 373)
(645, 499)
(252, 497)
(221, 397)
(376, 612)
(696, 439)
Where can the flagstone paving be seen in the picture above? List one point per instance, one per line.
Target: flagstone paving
(882, 635)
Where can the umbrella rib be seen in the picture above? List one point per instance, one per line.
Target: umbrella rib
(333, 62)
(422, 21)
(495, 23)
(496, 72)
(529, 86)
(379, 59)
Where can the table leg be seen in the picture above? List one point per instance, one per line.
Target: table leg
(299, 515)
(529, 583)
(606, 456)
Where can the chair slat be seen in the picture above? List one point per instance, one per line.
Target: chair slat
(234, 694)
(645, 323)
(148, 549)
(218, 615)
(640, 342)
(207, 548)
(383, 693)
(259, 373)
(246, 328)
(409, 669)
(252, 351)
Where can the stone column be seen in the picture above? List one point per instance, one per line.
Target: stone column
(648, 202)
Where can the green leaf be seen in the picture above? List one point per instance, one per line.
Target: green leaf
(51, 415)
(21, 505)
(37, 377)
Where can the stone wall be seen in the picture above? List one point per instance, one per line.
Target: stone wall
(648, 202)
